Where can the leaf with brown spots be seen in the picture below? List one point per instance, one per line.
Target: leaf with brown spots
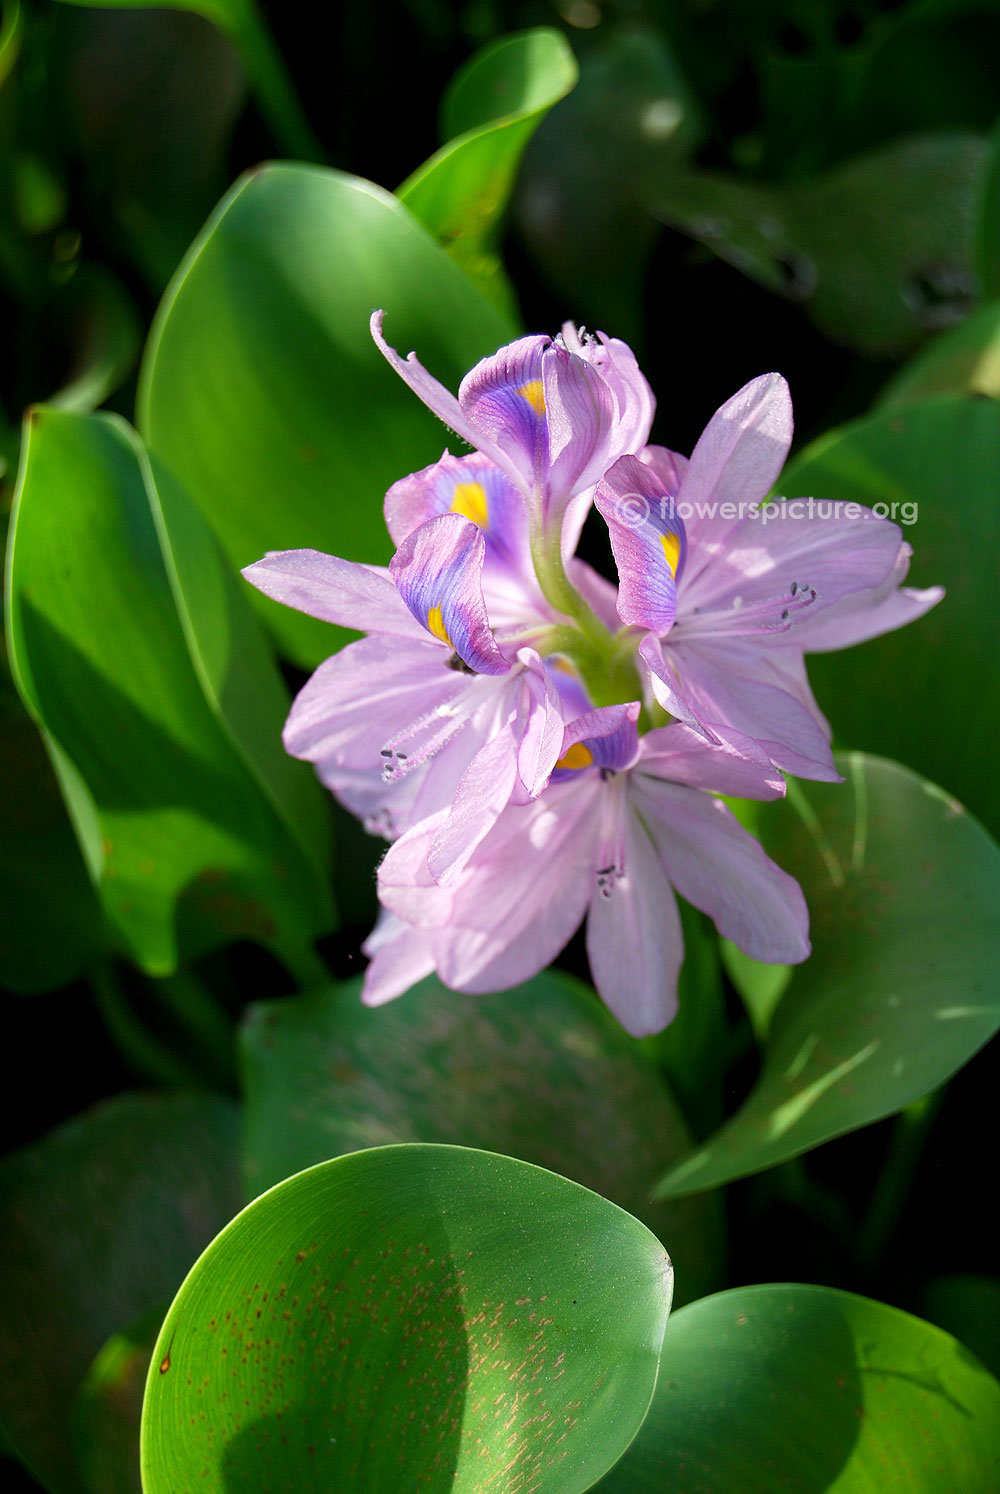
(425, 1317)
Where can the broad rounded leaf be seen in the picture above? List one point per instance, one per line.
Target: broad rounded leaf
(493, 107)
(540, 1072)
(412, 1315)
(293, 426)
(99, 1223)
(797, 1389)
(903, 985)
(937, 463)
(134, 648)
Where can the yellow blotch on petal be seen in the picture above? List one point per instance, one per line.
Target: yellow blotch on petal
(435, 623)
(534, 394)
(576, 757)
(470, 501)
(671, 548)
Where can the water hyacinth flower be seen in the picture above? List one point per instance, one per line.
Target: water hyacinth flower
(394, 721)
(623, 821)
(551, 414)
(500, 722)
(730, 601)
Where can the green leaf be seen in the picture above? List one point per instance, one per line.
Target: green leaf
(969, 1307)
(11, 31)
(95, 316)
(242, 22)
(490, 112)
(51, 928)
(812, 1389)
(107, 1410)
(540, 1072)
(133, 647)
(902, 987)
(98, 1224)
(633, 115)
(987, 229)
(936, 462)
(263, 391)
(410, 1315)
(965, 359)
(760, 986)
(876, 250)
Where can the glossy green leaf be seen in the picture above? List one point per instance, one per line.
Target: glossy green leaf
(263, 391)
(902, 987)
(133, 646)
(540, 1072)
(243, 23)
(410, 1316)
(797, 1389)
(876, 250)
(51, 926)
(937, 463)
(965, 359)
(493, 107)
(98, 1224)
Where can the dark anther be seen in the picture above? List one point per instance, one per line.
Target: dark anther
(456, 663)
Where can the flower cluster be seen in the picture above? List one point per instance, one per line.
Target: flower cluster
(540, 746)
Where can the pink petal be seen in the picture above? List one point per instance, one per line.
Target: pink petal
(334, 590)
(524, 895)
(634, 940)
(678, 754)
(438, 399)
(722, 870)
(737, 459)
(400, 957)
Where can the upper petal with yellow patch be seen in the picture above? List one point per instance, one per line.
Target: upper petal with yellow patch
(648, 540)
(438, 572)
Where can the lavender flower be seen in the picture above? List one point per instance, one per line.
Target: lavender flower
(499, 722)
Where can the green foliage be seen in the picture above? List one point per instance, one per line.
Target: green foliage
(296, 426)
(814, 188)
(418, 1313)
(493, 107)
(940, 457)
(242, 22)
(965, 358)
(100, 1222)
(876, 251)
(133, 648)
(541, 1073)
(812, 1389)
(900, 990)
